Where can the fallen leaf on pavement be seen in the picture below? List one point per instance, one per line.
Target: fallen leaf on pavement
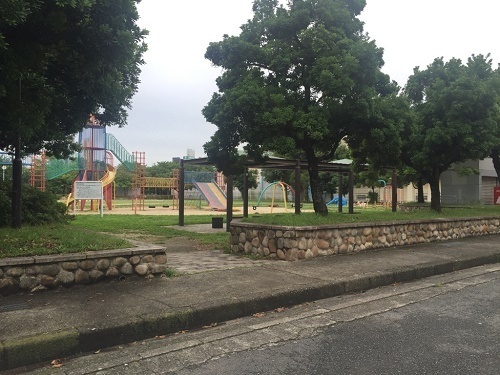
(56, 363)
(258, 315)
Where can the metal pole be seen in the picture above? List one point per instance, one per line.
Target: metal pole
(339, 203)
(229, 208)
(351, 192)
(297, 188)
(245, 193)
(394, 190)
(181, 194)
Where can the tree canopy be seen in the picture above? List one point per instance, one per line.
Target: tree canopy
(457, 112)
(61, 61)
(297, 80)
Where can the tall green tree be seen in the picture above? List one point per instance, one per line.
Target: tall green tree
(123, 177)
(239, 181)
(162, 169)
(297, 80)
(61, 61)
(495, 157)
(457, 109)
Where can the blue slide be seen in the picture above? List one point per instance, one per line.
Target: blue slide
(336, 201)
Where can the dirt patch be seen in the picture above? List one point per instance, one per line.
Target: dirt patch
(174, 244)
(184, 244)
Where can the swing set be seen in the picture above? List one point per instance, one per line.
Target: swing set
(283, 185)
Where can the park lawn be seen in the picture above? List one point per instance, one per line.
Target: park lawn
(152, 228)
(371, 215)
(92, 232)
(54, 239)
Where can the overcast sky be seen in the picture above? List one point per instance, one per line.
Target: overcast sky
(177, 81)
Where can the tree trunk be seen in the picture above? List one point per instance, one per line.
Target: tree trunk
(420, 190)
(317, 197)
(17, 171)
(495, 155)
(435, 193)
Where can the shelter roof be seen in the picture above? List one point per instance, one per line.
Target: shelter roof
(273, 162)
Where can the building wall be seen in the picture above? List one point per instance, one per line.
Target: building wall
(473, 189)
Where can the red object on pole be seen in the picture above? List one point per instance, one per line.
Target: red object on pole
(496, 195)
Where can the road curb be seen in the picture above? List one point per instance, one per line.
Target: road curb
(45, 347)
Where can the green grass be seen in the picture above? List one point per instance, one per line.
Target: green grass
(127, 203)
(54, 239)
(155, 228)
(370, 215)
(92, 232)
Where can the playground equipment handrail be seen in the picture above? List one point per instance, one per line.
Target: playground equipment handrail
(125, 157)
(58, 167)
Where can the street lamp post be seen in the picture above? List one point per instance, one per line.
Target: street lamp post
(4, 167)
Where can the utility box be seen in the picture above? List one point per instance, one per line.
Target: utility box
(217, 222)
(496, 195)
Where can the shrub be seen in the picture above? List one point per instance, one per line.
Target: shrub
(372, 197)
(38, 207)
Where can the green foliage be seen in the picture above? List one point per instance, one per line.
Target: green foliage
(86, 61)
(296, 81)
(457, 112)
(372, 215)
(329, 182)
(123, 177)
(171, 272)
(5, 205)
(162, 169)
(38, 207)
(372, 197)
(54, 239)
(61, 185)
(273, 175)
(238, 181)
(495, 156)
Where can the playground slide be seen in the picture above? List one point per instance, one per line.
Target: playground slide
(336, 201)
(212, 194)
(109, 176)
(107, 179)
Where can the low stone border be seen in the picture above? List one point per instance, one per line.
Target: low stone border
(294, 243)
(50, 271)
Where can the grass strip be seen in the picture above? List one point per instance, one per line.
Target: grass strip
(92, 232)
(54, 239)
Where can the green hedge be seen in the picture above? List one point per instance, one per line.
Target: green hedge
(38, 207)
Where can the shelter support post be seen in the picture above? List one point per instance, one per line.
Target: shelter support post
(297, 188)
(394, 190)
(245, 193)
(181, 194)
(351, 192)
(340, 192)
(229, 208)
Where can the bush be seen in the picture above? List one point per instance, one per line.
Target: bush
(372, 197)
(38, 207)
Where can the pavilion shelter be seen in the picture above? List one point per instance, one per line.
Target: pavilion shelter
(341, 167)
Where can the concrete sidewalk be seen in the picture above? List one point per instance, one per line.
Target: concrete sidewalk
(53, 324)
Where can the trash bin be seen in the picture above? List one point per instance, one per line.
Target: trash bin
(217, 222)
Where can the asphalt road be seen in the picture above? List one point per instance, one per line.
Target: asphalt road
(447, 324)
(454, 333)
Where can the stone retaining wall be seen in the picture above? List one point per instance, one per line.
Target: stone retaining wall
(50, 271)
(294, 243)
